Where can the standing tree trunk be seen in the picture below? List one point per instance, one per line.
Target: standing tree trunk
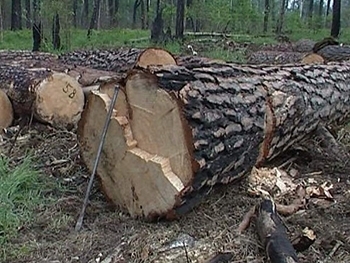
(143, 15)
(75, 15)
(28, 14)
(56, 40)
(266, 15)
(157, 25)
(336, 19)
(310, 11)
(320, 8)
(37, 36)
(113, 6)
(85, 14)
(281, 18)
(134, 12)
(1, 20)
(36, 11)
(328, 7)
(180, 19)
(16, 15)
(94, 17)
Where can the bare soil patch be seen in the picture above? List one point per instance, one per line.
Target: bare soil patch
(208, 229)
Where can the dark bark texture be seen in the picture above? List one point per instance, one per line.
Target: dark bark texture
(56, 39)
(180, 19)
(241, 116)
(335, 53)
(37, 36)
(117, 60)
(275, 57)
(272, 234)
(19, 84)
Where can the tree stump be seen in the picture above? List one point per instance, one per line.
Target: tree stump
(51, 97)
(176, 132)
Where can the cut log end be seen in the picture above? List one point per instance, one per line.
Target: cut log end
(312, 59)
(137, 159)
(6, 111)
(59, 100)
(155, 56)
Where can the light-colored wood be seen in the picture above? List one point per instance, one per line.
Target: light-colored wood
(6, 111)
(312, 59)
(140, 181)
(59, 100)
(154, 110)
(155, 56)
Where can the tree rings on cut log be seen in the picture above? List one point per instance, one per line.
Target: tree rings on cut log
(6, 111)
(59, 100)
(155, 56)
(312, 59)
(130, 171)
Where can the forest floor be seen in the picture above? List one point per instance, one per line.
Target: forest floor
(49, 235)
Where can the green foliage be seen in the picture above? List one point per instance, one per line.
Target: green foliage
(21, 193)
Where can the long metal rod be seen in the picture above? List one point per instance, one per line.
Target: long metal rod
(98, 156)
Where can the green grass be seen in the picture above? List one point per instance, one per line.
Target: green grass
(21, 193)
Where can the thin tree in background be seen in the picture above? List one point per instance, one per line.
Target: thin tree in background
(266, 15)
(113, 8)
(94, 17)
(280, 20)
(16, 15)
(137, 3)
(1, 20)
(180, 19)
(336, 19)
(56, 39)
(157, 25)
(310, 11)
(28, 14)
(75, 11)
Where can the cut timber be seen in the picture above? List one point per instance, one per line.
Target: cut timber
(54, 98)
(155, 56)
(312, 59)
(6, 111)
(272, 234)
(118, 60)
(275, 57)
(189, 129)
(335, 53)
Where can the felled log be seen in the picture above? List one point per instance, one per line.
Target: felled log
(274, 57)
(303, 45)
(6, 111)
(335, 53)
(51, 97)
(118, 60)
(176, 132)
(272, 234)
(19, 55)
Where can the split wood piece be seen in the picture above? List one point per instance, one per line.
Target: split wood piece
(118, 60)
(272, 234)
(312, 58)
(192, 129)
(6, 111)
(53, 98)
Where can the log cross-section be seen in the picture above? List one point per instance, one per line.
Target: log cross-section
(178, 131)
(51, 97)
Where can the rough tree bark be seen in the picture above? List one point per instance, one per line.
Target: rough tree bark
(37, 36)
(53, 98)
(336, 19)
(16, 15)
(178, 131)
